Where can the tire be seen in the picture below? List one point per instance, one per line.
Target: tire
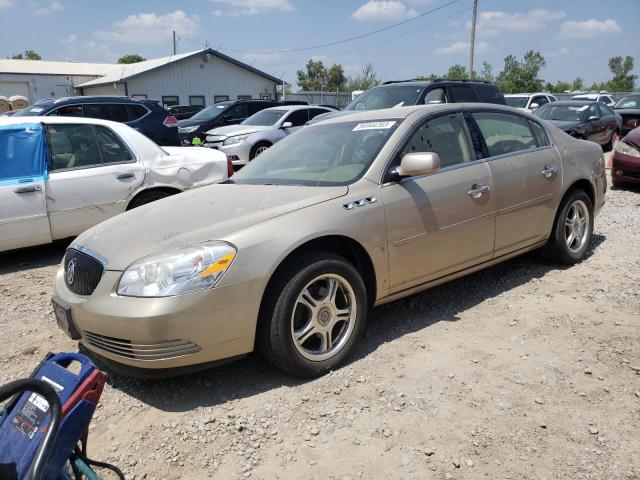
(284, 312)
(148, 197)
(614, 138)
(558, 247)
(257, 149)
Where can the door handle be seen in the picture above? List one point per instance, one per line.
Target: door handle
(124, 176)
(477, 190)
(28, 189)
(549, 172)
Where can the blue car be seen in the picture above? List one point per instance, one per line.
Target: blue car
(146, 116)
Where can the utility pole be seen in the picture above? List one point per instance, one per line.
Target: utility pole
(174, 42)
(473, 38)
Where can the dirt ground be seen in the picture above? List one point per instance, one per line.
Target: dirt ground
(522, 371)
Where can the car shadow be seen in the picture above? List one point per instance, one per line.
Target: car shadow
(253, 375)
(33, 257)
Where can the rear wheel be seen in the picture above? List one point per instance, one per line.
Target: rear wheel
(312, 315)
(573, 228)
(258, 148)
(148, 197)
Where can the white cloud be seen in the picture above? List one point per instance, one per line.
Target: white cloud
(54, 6)
(493, 22)
(5, 3)
(150, 28)
(375, 10)
(251, 7)
(70, 40)
(461, 47)
(588, 28)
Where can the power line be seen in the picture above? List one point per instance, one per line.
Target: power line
(350, 39)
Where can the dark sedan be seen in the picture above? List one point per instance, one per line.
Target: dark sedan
(183, 112)
(625, 163)
(629, 109)
(586, 120)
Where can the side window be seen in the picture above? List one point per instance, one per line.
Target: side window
(68, 111)
(73, 146)
(196, 100)
(604, 110)
(97, 110)
(119, 113)
(220, 98)
(134, 112)
(111, 147)
(238, 112)
(463, 94)
(489, 93)
(540, 100)
(170, 100)
(447, 136)
(298, 118)
(540, 134)
(21, 151)
(594, 111)
(504, 133)
(314, 112)
(435, 96)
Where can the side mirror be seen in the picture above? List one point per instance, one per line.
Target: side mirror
(534, 106)
(287, 125)
(593, 118)
(416, 164)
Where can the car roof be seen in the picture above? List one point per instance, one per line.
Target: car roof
(291, 108)
(526, 94)
(88, 99)
(13, 120)
(575, 103)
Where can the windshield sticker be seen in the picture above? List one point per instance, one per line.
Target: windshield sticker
(374, 126)
(36, 110)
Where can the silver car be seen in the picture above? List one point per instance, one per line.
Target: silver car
(292, 252)
(243, 142)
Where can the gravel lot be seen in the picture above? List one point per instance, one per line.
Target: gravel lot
(520, 371)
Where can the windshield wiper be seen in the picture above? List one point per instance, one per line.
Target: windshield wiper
(228, 180)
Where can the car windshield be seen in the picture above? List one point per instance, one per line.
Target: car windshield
(265, 118)
(565, 113)
(320, 155)
(386, 97)
(628, 102)
(517, 102)
(211, 112)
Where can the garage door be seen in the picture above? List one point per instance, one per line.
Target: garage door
(9, 89)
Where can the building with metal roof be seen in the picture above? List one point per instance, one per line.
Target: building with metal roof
(201, 77)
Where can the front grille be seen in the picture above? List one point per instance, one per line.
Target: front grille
(142, 351)
(82, 272)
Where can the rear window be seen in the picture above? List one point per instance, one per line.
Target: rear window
(134, 112)
(463, 94)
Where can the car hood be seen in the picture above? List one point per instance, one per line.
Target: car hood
(563, 124)
(232, 130)
(207, 213)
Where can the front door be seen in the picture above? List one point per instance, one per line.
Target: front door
(23, 214)
(443, 222)
(527, 177)
(92, 176)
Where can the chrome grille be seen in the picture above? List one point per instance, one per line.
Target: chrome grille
(82, 272)
(141, 351)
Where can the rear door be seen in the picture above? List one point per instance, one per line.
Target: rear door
(598, 124)
(297, 118)
(92, 175)
(23, 214)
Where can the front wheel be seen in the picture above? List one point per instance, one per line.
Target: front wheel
(572, 230)
(258, 148)
(312, 315)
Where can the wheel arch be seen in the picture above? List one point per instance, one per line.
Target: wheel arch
(138, 194)
(582, 184)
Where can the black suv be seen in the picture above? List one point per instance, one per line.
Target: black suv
(146, 116)
(231, 112)
(405, 93)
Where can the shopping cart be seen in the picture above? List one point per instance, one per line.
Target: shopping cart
(44, 428)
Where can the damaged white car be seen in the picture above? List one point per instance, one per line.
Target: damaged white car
(62, 175)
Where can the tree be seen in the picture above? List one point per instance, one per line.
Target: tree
(622, 80)
(314, 79)
(521, 75)
(27, 55)
(486, 73)
(456, 72)
(336, 79)
(365, 80)
(131, 58)
(559, 87)
(577, 84)
(430, 77)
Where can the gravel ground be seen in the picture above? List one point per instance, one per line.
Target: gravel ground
(521, 371)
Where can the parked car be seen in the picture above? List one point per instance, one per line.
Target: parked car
(242, 143)
(529, 102)
(60, 175)
(420, 92)
(625, 161)
(182, 112)
(629, 109)
(596, 97)
(146, 116)
(231, 112)
(585, 119)
(290, 254)
(9, 113)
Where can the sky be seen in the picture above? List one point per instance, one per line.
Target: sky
(576, 37)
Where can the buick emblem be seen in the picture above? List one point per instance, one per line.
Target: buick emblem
(71, 271)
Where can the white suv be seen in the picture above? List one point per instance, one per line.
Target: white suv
(529, 102)
(598, 97)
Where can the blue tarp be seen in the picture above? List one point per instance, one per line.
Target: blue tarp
(22, 153)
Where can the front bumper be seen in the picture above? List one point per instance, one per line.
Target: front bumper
(625, 168)
(238, 153)
(165, 333)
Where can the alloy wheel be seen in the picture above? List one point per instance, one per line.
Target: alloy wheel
(577, 226)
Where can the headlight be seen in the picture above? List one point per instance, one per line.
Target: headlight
(188, 129)
(236, 139)
(186, 270)
(626, 149)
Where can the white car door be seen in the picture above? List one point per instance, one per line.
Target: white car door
(92, 175)
(23, 215)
